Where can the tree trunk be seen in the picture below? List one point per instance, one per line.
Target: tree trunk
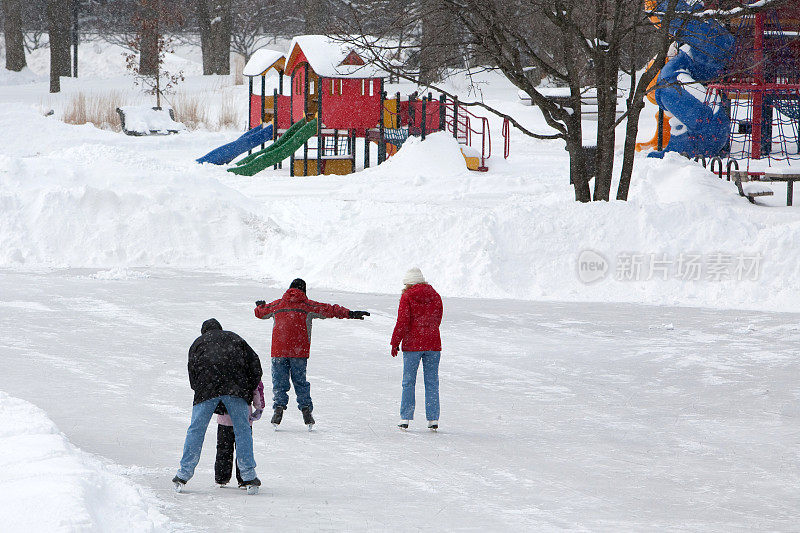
(59, 17)
(578, 174)
(15, 46)
(439, 46)
(606, 86)
(215, 20)
(149, 33)
(631, 131)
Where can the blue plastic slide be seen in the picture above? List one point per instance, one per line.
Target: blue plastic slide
(706, 45)
(249, 140)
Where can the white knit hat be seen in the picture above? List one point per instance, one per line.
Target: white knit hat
(413, 277)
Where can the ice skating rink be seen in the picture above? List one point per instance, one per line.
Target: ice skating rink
(601, 417)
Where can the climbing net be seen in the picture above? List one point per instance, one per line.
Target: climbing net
(765, 122)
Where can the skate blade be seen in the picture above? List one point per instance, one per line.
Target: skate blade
(252, 489)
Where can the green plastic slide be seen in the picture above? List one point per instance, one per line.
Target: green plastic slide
(275, 145)
(273, 155)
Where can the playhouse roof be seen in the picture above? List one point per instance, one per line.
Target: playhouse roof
(330, 58)
(262, 60)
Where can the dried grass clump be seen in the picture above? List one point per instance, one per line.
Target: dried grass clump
(97, 109)
(191, 110)
(228, 114)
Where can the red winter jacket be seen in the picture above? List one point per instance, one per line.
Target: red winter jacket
(291, 334)
(418, 320)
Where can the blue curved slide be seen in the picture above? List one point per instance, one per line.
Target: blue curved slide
(706, 46)
(249, 140)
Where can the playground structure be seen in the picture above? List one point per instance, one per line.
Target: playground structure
(752, 109)
(335, 98)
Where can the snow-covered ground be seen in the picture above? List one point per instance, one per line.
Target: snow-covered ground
(647, 399)
(50, 485)
(587, 417)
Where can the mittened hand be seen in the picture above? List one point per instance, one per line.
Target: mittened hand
(260, 303)
(358, 315)
(256, 415)
(395, 349)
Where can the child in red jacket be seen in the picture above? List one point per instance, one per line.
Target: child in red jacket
(417, 328)
(291, 344)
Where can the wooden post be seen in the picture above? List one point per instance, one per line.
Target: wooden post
(280, 81)
(250, 108)
(263, 101)
(660, 145)
(320, 146)
(441, 112)
(424, 123)
(398, 122)
(381, 134)
(291, 118)
(353, 147)
(275, 120)
(366, 150)
(305, 114)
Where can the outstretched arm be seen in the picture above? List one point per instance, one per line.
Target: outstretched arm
(329, 310)
(265, 310)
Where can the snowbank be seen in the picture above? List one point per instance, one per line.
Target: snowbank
(23, 77)
(50, 485)
(88, 200)
(80, 197)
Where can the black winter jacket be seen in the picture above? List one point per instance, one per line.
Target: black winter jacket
(222, 363)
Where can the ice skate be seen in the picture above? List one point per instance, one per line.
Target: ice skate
(251, 486)
(178, 484)
(433, 425)
(403, 424)
(277, 417)
(308, 419)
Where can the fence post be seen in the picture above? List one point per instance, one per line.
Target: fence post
(275, 120)
(250, 109)
(441, 112)
(263, 101)
(455, 117)
(381, 141)
(424, 123)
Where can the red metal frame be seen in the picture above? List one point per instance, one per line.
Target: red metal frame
(464, 123)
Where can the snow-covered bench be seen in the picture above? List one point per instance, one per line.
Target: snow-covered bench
(142, 120)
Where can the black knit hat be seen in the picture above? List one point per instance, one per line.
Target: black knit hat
(298, 284)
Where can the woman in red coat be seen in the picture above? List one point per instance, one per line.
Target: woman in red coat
(417, 328)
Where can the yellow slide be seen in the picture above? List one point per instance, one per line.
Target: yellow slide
(651, 95)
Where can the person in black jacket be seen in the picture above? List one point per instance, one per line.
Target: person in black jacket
(222, 369)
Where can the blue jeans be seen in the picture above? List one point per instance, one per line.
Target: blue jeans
(430, 372)
(282, 368)
(201, 416)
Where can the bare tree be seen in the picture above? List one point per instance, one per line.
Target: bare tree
(214, 19)
(573, 42)
(248, 30)
(15, 44)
